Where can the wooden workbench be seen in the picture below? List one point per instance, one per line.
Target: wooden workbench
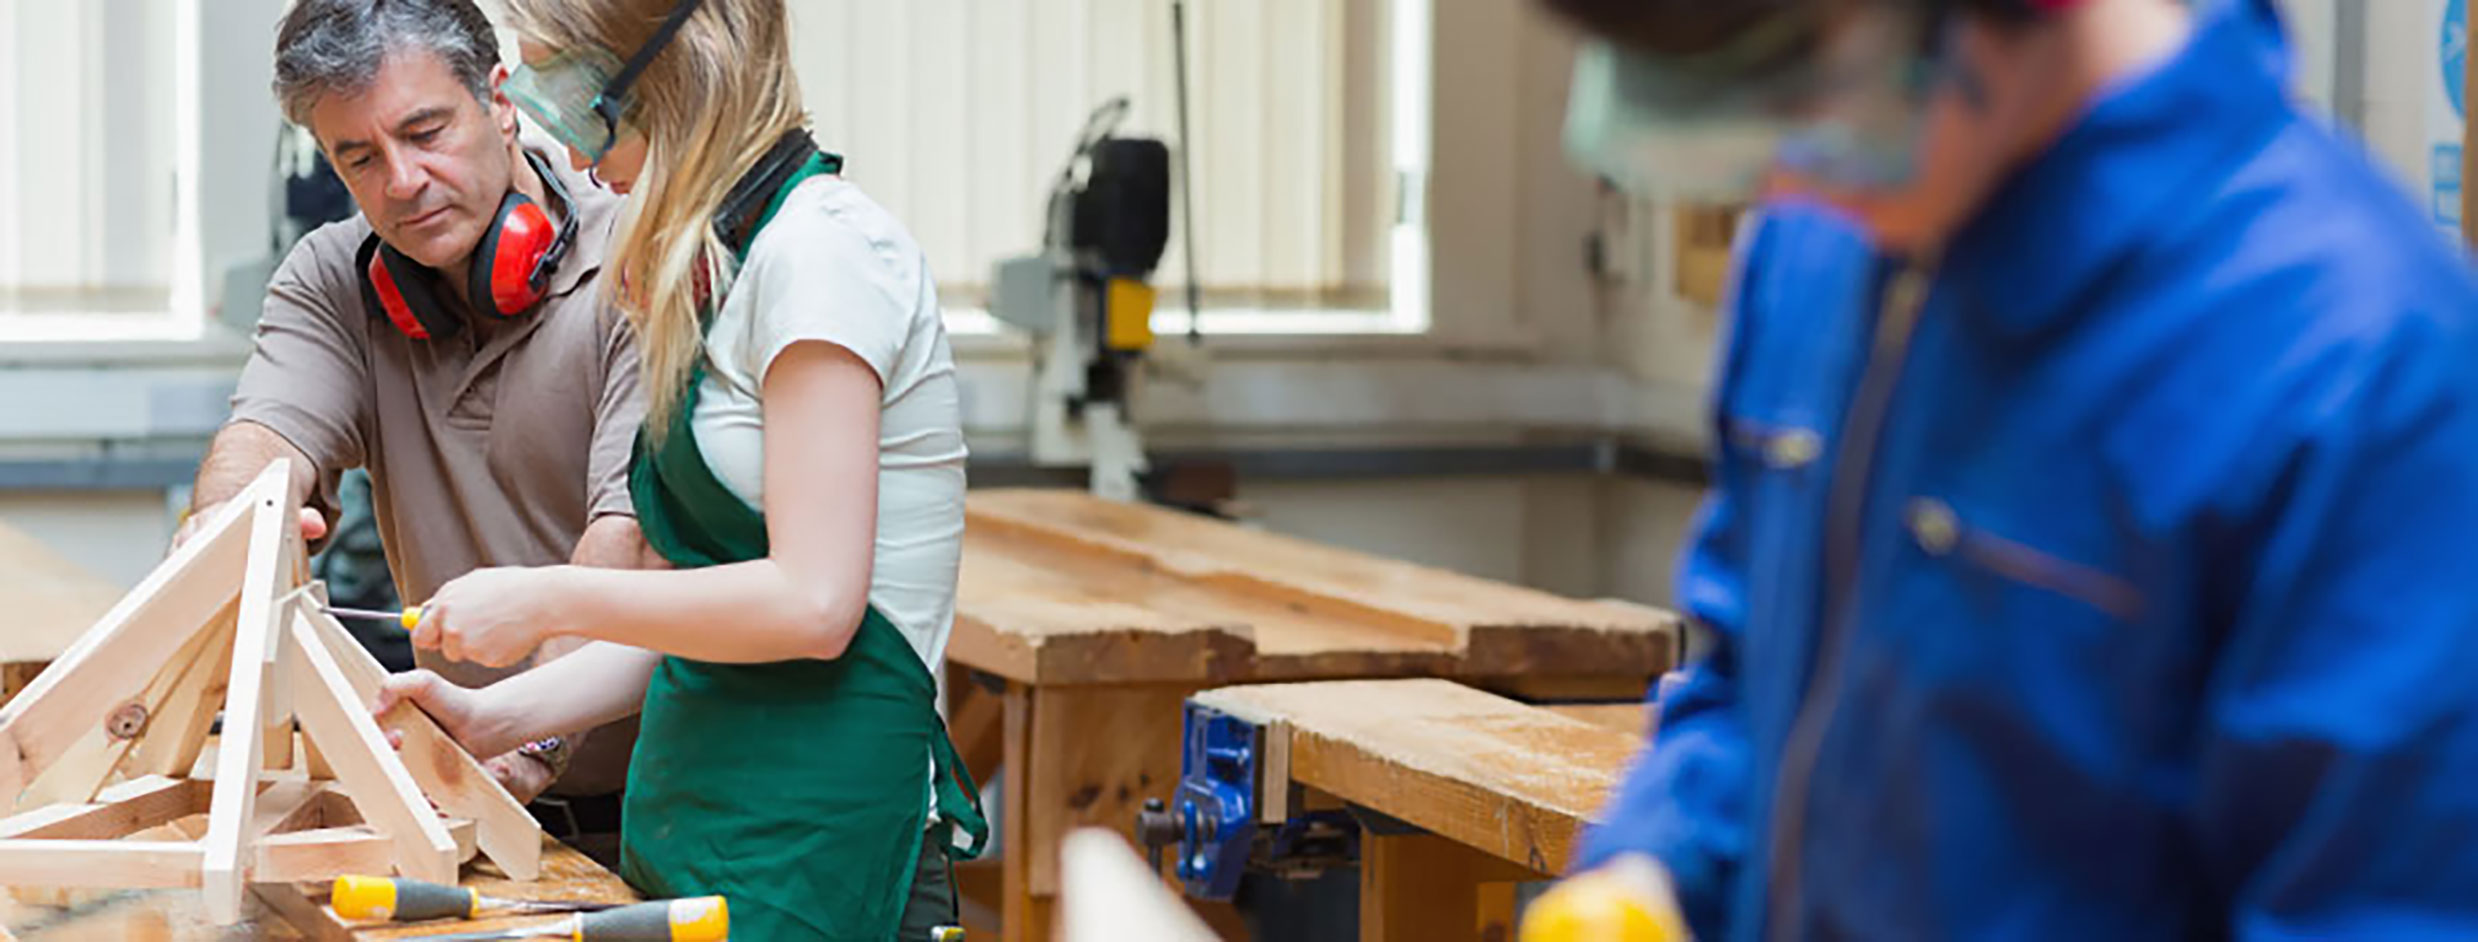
(1498, 790)
(1082, 626)
(281, 911)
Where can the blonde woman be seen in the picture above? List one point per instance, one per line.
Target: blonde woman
(801, 466)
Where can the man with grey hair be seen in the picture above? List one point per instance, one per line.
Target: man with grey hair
(451, 339)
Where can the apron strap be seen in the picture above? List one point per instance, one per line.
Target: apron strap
(959, 800)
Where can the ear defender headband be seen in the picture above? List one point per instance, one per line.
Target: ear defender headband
(510, 270)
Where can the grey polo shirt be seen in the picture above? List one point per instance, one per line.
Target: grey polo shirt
(494, 447)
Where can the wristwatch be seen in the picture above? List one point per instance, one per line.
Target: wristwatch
(552, 751)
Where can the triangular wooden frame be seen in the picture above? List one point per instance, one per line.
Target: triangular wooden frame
(104, 743)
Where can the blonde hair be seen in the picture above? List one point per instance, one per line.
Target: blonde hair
(710, 106)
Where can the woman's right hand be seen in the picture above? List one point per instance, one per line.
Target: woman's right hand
(468, 715)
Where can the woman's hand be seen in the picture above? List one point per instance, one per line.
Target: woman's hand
(493, 617)
(475, 719)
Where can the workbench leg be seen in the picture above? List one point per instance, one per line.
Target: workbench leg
(1422, 887)
(1414, 887)
(1497, 911)
(1021, 916)
(1078, 757)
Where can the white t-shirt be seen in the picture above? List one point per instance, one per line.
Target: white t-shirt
(835, 266)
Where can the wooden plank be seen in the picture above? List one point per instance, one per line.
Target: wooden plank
(1634, 718)
(273, 537)
(119, 811)
(87, 767)
(321, 854)
(1515, 782)
(385, 791)
(275, 725)
(113, 661)
(288, 806)
(177, 730)
(1199, 546)
(1059, 587)
(451, 777)
(131, 864)
(328, 853)
(1027, 613)
(1555, 687)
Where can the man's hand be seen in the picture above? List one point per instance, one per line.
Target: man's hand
(313, 525)
(524, 776)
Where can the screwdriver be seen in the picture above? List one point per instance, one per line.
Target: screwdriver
(410, 617)
(400, 900)
(702, 919)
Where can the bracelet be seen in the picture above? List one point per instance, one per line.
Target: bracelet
(552, 751)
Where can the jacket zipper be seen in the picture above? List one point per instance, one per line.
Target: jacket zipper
(1903, 296)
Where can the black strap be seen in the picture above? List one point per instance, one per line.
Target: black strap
(748, 197)
(566, 239)
(607, 104)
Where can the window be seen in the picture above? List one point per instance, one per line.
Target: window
(1309, 116)
(90, 214)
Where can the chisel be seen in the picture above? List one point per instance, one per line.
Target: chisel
(401, 900)
(703, 919)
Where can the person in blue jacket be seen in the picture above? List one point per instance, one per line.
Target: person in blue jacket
(2092, 551)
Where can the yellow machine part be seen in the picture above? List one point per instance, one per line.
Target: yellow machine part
(1127, 315)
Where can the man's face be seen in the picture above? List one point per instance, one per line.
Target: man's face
(427, 163)
(1967, 144)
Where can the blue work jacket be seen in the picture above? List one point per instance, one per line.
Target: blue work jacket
(2116, 580)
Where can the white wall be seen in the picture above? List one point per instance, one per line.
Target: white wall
(119, 535)
(237, 132)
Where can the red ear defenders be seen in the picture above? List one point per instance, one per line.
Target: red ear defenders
(511, 266)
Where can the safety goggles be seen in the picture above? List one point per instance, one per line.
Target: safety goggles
(1839, 100)
(580, 95)
(566, 97)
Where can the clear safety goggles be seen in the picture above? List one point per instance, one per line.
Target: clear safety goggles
(566, 96)
(1841, 102)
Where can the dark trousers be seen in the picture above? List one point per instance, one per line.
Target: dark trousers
(589, 823)
(932, 903)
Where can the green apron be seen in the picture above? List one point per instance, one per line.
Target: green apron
(795, 788)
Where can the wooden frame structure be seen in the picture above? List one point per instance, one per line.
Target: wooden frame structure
(108, 741)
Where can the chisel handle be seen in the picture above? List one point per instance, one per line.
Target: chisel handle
(399, 900)
(698, 919)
